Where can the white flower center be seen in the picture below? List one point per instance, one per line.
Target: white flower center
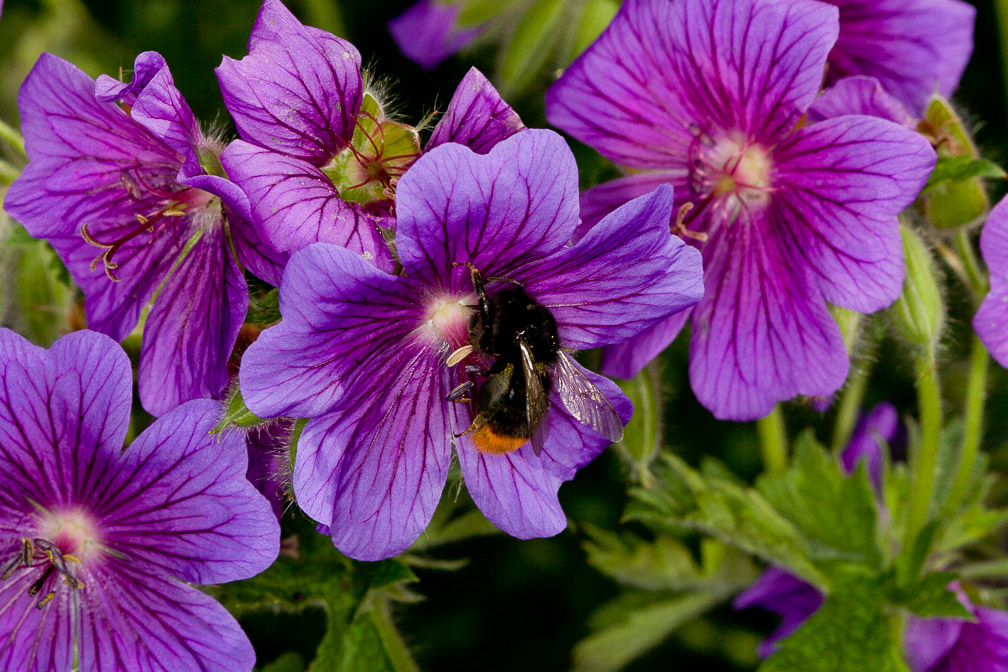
(448, 320)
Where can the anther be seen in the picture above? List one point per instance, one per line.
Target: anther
(46, 599)
(679, 228)
(460, 354)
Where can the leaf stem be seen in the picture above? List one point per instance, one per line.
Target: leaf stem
(929, 407)
(773, 441)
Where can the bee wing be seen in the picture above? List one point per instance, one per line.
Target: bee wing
(585, 401)
(536, 399)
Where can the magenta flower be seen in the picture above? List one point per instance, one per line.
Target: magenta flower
(371, 357)
(991, 321)
(913, 47)
(709, 96)
(97, 543)
(297, 99)
(428, 32)
(120, 193)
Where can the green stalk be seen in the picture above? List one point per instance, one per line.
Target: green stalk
(10, 135)
(976, 390)
(929, 407)
(853, 394)
(773, 441)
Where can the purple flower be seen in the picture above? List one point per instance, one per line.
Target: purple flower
(953, 645)
(97, 543)
(318, 159)
(913, 47)
(371, 357)
(784, 594)
(859, 95)
(709, 95)
(991, 321)
(428, 32)
(872, 434)
(120, 193)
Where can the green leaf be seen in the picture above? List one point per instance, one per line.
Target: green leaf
(851, 631)
(740, 517)
(594, 17)
(834, 512)
(634, 629)
(287, 662)
(666, 563)
(930, 597)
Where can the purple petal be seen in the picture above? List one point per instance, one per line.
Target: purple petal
(427, 33)
(145, 67)
(269, 468)
(497, 211)
(82, 154)
(341, 319)
(192, 327)
(784, 594)
(928, 642)
(179, 501)
(842, 183)
(132, 620)
(297, 205)
(880, 425)
(517, 491)
(627, 274)
(860, 95)
(476, 116)
(662, 70)
(373, 469)
(913, 47)
(600, 200)
(34, 640)
(157, 105)
(626, 359)
(75, 396)
(762, 333)
(991, 321)
(299, 89)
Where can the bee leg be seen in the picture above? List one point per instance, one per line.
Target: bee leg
(477, 422)
(458, 394)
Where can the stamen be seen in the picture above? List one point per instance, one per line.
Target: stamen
(460, 354)
(46, 599)
(146, 223)
(680, 224)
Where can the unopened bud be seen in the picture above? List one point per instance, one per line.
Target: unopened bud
(919, 313)
(954, 195)
(237, 414)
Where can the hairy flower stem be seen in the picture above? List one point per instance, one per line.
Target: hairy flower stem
(773, 441)
(10, 135)
(850, 401)
(929, 405)
(976, 391)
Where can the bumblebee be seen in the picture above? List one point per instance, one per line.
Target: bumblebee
(517, 335)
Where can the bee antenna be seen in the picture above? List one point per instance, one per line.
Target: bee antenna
(499, 278)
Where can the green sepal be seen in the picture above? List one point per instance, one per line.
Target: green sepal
(642, 437)
(237, 414)
(962, 168)
(919, 312)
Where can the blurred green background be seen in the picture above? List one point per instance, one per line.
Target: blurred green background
(515, 605)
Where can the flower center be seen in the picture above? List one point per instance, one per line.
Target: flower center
(64, 541)
(448, 320)
(166, 206)
(730, 175)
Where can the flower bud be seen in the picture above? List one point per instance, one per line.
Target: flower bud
(919, 313)
(236, 413)
(955, 195)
